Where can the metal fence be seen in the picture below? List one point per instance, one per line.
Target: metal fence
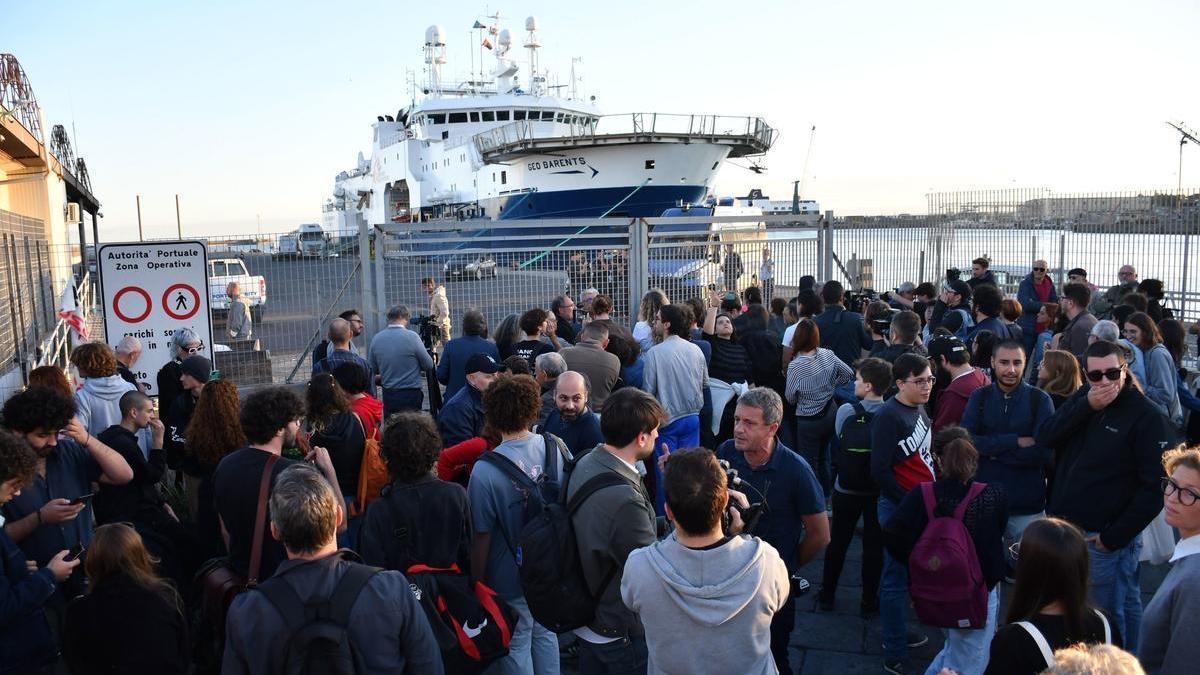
(503, 268)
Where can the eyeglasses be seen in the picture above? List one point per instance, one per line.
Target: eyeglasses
(1039, 269)
(1113, 374)
(920, 381)
(197, 348)
(1187, 496)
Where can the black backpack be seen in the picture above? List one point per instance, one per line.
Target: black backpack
(547, 555)
(854, 451)
(319, 640)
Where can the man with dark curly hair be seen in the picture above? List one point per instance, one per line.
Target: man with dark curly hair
(42, 519)
(270, 419)
(434, 513)
(26, 642)
(511, 405)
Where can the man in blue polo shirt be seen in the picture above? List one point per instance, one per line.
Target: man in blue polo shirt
(44, 520)
(794, 520)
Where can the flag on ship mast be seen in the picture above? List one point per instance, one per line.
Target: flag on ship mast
(477, 26)
(487, 43)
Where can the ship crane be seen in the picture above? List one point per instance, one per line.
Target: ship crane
(1185, 135)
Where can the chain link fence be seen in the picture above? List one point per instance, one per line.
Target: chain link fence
(504, 268)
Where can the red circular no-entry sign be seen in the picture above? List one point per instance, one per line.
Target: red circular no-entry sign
(178, 307)
(117, 304)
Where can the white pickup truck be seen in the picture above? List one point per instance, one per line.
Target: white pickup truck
(221, 271)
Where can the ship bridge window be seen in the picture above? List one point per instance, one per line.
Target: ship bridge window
(649, 164)
(474, 117)
(439, 118)
(488, 116)
(518, 114)
(501, 115)
(458, 118)
(558, 117)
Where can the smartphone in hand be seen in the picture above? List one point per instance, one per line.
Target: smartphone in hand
(76, 551)
(82, 499)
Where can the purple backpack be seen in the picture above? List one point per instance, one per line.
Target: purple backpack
(945, 579)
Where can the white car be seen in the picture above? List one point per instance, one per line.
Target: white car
(221, 271)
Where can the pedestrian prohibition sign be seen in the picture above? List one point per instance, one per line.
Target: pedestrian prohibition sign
(179, 305)
(152, 291)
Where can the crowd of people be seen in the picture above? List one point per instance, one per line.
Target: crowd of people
(633, 498)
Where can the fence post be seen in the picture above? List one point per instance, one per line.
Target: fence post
(1062, 258)
(921, 268)
(1183, 276)
(827, 254)
(639, 263)
(379, 236)
(366, 269)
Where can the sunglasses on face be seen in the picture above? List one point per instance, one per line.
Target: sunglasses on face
(197, 348)
(1187, 496)
(1113, 374)
(1039, 269)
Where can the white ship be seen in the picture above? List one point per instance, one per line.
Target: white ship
(503, 148)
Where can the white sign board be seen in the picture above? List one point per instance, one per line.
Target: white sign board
(150, 290)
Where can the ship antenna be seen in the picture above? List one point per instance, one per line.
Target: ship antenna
(435, 56)
(532, 44)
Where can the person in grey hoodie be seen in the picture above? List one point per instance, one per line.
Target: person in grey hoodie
(99, 400)
(704, 596)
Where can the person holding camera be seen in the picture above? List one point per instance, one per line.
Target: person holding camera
(439, 312)
(706, 593)
(400, 360)
(794, 522)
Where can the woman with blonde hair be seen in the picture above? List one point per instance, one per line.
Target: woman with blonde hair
(130, 620)
(1168, 635)
(1059, 376)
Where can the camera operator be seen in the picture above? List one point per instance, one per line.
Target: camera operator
(794, 520)
(903, 337)
(952, 310)
(401, 361)
(842, 330)
(439, 311)
(705, 595)
(877, 319)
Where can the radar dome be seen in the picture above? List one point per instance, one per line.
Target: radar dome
(435, 35)
(505, 38)
(531, 23)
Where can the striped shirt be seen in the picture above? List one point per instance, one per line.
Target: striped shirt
(811, 380)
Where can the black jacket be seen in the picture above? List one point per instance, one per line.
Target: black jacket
(342, 435)
(122, 627)
(427, 522)
(139, 498)
(177, 418)
(1114, 453)
(169, 385)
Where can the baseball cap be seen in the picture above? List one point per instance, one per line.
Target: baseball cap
(906, 287)
(945, 345)
(959, 286)
(483, 363)
(198, 367)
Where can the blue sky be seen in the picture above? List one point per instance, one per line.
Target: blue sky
(250, 109)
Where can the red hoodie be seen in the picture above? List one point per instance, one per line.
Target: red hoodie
(370, 412)
(953, 400)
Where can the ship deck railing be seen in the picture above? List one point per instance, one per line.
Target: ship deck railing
(745, 135)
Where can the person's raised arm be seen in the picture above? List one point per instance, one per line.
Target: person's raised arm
(320, 457)
(114, 469)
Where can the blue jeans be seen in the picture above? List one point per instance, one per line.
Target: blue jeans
(395, 400)
(627, 656)
(682, 433)
(893, 595)
(1116, 588)
(966, 651)
(533, 649)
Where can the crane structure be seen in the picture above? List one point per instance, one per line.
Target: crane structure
(1185, 135)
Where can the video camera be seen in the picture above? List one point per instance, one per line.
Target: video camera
(857, 301)
(751, 514)
(428, 329)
